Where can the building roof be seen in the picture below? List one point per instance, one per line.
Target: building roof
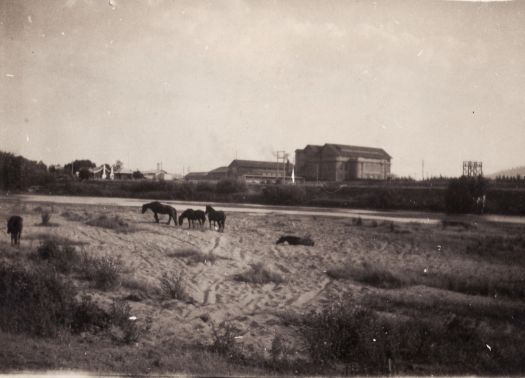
(154, 172)
(352, 151)
(219, 170)
(255, 164)
(191, 175)
(358, 151)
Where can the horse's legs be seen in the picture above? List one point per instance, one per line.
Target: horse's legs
(169, 219)
(156, 217)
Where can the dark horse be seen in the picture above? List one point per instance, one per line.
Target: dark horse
(14, 227)
(295, 240)
(159, 208)
(216, 216)
(192, 216)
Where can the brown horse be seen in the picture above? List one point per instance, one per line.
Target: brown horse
(14, 227)
(159, 208)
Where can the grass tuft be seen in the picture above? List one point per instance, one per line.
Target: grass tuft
(114, 222)
(259, 274)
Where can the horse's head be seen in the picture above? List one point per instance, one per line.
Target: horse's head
(144, 208)
(208, 209)
(181, 219)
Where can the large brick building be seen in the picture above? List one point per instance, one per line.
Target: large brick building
(339, 162)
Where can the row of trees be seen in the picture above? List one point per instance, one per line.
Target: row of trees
(19, 173)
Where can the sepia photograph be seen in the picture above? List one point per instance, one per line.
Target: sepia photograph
(261, 188)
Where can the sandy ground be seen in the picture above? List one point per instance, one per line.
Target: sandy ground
(250, 238)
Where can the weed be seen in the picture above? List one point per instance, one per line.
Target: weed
(46, 217)
(88, 317)
(71, 216)
(224, 339)
(63, 256)
(126, 328)
(370, 274)
(258, 274)
(34, 301)
(193, 256)
(174, 286)
(104, 272)
(115, 223)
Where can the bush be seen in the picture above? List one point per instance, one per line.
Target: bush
(284, 195)
(174, 286)
(104, 272)
(461, 193)
(88, 317)
(64, 257)
(258, 274)
(126, 328)
(349, 334)
(227, 186)
(370, 274)
(45, 218)
(193, 256)
(115, 223)
(34, 301)
(224, 340)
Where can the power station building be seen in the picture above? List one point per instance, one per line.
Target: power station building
(339, 162)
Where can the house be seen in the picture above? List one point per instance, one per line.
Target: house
(157, 175)
(218, 173)
(196, 176)
(123, 174)
(339, 162)
(259, 171)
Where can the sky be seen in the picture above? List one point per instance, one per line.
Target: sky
(194, 84)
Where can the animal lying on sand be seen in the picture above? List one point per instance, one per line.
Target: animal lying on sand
(295, 240)
(14, 227)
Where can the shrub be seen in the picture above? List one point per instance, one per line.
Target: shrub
(284, 195)
(104, 272)
(350, 334)
(370, 274)
(193, 256)
(115, 223)
(64, 257)
(460, 194)
(88, 317)
(45, 218)
(126, 328)
(258, 274)
(34, 301)
(228, 185)
(174, 286)
(224, 339)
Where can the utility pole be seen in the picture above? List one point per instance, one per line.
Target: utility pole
(282, 156)
(422, 170)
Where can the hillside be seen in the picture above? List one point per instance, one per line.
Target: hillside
(512, 172)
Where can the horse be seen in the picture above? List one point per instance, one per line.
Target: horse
(215, 216)
(14, 227)
(295, 240)
(192, 216)
(159, 208)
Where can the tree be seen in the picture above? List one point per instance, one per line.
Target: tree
(138, 175)
(84, 174)
(462, 193)
(76, 165)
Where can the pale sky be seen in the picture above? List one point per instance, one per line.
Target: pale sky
(197, 83)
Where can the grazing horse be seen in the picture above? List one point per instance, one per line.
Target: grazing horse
(295, 240)
(192, 216)
(159, 208)
(216, 216)
(14, 227)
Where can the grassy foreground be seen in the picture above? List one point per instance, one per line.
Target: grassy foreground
(106, 290)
